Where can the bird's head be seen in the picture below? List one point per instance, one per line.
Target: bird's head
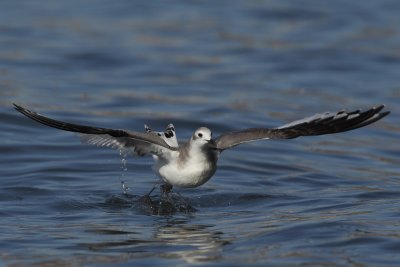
(202, 136)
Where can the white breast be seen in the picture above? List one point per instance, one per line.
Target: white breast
(194, 172)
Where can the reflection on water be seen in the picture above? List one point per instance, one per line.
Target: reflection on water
(178, 238)
(197, 242)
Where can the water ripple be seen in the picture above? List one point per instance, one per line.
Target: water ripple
(320, 201)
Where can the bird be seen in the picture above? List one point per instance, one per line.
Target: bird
(191, 164)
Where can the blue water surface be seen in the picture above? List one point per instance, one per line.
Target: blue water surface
(319, 201)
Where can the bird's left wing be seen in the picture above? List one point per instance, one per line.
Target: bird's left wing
(319, 124)
(140, 143)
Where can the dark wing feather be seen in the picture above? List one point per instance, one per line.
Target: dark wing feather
(142, 143)
(319, 124)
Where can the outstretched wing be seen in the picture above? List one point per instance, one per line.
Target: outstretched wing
(319, 124)
(140, 143)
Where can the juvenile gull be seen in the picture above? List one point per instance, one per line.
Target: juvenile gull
(193, 163)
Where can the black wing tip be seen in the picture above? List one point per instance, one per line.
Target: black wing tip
(365, 118)
(380, 115)
(378, 109)
(18, 107)
(24, 111)
(373, 110)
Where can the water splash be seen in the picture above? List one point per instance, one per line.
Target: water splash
(124, 169)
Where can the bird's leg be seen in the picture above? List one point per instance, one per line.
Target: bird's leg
(152, 189)
(166, 188)
(146, 199)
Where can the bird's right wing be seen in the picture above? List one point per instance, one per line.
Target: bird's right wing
(140, 143)
(319, 124)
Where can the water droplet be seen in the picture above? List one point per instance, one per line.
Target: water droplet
(124, 169)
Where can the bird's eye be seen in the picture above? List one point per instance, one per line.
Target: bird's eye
(200, 135)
